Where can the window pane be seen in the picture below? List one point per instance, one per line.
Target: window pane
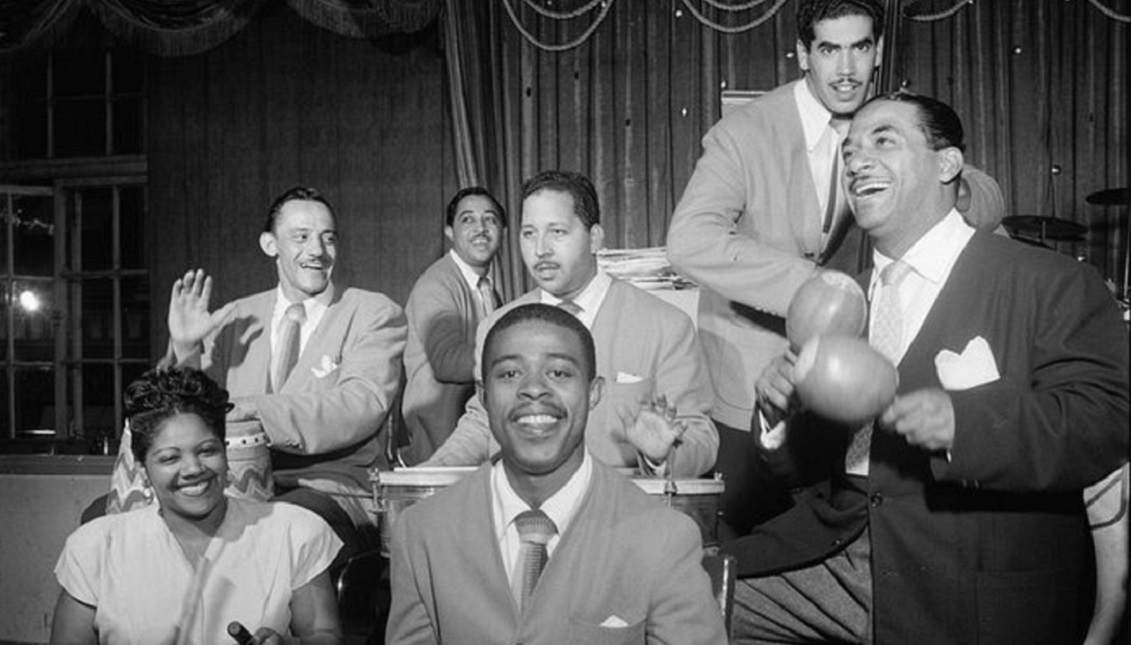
(34, 399)
(31, 75)
(7, 206)
(131, 222)
(33, 234)
(128, 72)
(31, 130)
(79, 72)
(97, 230)
(127, 126)
(80, 128)
(4, 300)
(6, 430)
(33, 324)
(97, 316)
(98, 396)
(135, 317)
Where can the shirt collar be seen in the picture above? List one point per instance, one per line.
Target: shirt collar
(314, 306)
(933, 255)
(561, 507)
(589, 299)
(465, 270)
(814, 116)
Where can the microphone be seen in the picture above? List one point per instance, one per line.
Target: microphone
(238, 632)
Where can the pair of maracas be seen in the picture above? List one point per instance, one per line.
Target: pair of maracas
(838, 375)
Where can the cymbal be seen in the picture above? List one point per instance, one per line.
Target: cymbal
(1110, 197)
(1047, 228)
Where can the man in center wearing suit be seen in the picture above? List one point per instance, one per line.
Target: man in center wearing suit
(655, 415)
(315, 363)
(957, 516)
(546, 545)
(446, 305)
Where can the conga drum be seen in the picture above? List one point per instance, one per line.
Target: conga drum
(699, 499)
(396, 490)
(249, 461)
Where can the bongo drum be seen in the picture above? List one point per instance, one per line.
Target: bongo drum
(249, 461)
(699, 499)
(396, 490)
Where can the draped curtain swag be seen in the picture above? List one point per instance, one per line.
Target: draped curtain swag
(186, 27)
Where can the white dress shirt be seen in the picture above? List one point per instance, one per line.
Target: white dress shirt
(315, 308)
(561, 507)
(590, 298)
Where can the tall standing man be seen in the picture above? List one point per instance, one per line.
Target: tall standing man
(446, 305)
(763, 212)
(316, 364)
(655, 415)
(546, 545)
(958, 515)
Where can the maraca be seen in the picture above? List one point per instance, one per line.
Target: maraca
(828, 304)
(843, 379)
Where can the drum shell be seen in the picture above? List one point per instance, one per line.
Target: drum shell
(699, 499)
(249, 461)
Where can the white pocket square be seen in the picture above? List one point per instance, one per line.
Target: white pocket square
(625, 377)
(973, 367)
(328, 365)
(614, 621)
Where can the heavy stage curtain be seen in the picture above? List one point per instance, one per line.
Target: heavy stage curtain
(623, 90)
(184, 27)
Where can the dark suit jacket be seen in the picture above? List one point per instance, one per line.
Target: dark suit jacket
(992, 546)
(623, 555)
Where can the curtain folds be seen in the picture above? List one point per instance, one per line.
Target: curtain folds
(1041, 88)
(187, 27)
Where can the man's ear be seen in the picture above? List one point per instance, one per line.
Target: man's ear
(951, 162)
(596, 389)
(879, 52)
(802, 56)
(449, 234)
(267, 242)
(596, 238)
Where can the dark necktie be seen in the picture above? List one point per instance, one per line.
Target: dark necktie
(289, 344)
(534, 532)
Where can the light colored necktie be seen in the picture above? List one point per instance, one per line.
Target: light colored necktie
(885, 334)
(534, 532)
(833, 202)
(487, 295)
(289, 344)
(571, 306)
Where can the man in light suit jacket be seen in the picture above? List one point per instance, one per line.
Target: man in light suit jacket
(758, 219)
(322, 417)
(962, 520)
(656, 415)
(445, 306)
(612, 565)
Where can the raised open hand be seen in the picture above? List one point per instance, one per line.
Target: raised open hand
(653, 428)
(189, 319)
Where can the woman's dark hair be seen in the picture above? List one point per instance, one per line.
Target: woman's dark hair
(163, 393)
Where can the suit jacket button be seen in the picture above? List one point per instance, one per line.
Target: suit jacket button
(875, 499)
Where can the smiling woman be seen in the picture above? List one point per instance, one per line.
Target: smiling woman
(217, 559)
